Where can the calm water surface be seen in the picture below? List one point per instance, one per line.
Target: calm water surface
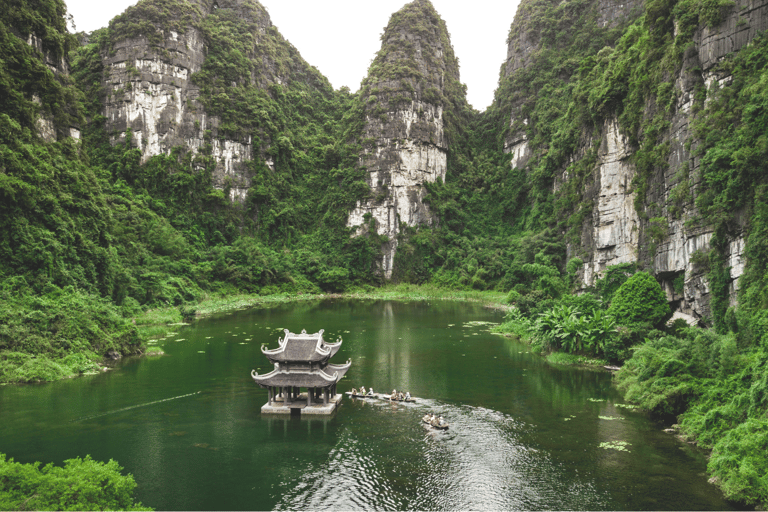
(524, 434)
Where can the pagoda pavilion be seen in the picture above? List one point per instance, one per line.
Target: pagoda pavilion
(301, 362)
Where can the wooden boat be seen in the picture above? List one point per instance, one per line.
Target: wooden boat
(390, 399)
(428, 420)
(361, 396)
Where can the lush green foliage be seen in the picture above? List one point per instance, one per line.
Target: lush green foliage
(57, 333)
(153, 19)
(84, 222)
(719, 389)
(91, 238)
(81, 484)
(639, 299)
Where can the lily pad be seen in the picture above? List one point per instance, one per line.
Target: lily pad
(615, 445)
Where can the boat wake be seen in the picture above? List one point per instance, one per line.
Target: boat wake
(86, 418)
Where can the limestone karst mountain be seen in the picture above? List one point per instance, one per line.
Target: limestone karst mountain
(612, 168)
(163, 55)
(411, 95)
(630, 166)
(595, 110)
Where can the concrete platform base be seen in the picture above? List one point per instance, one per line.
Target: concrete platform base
(299, 406)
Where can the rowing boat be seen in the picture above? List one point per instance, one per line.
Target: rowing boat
(427, 420)
(390, 399)
(361, 396)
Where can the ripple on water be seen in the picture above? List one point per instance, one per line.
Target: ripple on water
(385, 458)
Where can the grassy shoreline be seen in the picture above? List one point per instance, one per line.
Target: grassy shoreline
(152, 322)
(141, 327)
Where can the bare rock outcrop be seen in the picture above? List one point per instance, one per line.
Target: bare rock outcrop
(152, 94)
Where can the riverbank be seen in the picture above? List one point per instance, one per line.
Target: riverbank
(713, 386)
(63, 335)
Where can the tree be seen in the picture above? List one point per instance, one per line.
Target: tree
(81, 484)
(639, 300)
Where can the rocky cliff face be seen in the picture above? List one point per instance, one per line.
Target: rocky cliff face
(673, 257)
(151, 91)
(666, 237)
(674, 254)
(58, 66)
(405, 144)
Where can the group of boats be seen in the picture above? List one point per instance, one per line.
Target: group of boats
(429, 419)
(393, 397)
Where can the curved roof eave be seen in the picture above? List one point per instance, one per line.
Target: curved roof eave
(314, 378)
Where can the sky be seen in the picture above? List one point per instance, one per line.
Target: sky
(341, 37)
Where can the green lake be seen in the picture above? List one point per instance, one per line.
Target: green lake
(524, 434)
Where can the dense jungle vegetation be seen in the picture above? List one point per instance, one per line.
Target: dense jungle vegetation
(91, 238)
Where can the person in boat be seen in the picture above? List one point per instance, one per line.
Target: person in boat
(393, 396)
(354, 391)
(400, 396)
(440, 421)
(362, 390)
(407, 395)
(370, 392)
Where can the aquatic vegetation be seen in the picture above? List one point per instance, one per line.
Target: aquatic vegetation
(615, 445)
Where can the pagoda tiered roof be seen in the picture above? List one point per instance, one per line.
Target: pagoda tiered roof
(302, 348)
(305, 377)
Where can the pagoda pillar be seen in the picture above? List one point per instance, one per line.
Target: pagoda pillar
(310, 392)
(325, 396)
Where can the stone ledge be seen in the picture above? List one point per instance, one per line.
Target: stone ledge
(300, 405)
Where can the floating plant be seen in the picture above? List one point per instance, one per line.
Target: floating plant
(615, 445)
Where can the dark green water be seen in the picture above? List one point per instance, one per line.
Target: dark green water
(524, 434)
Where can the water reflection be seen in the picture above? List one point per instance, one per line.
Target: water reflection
(524, 434)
